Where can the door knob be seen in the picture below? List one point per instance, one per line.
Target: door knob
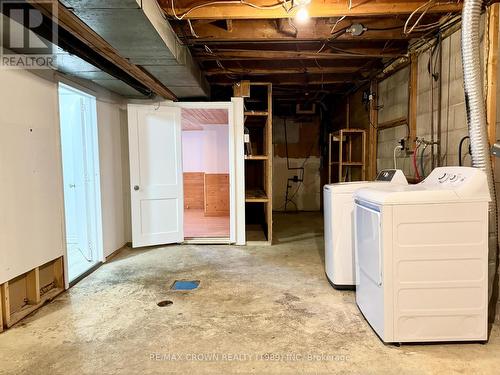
(136, 187)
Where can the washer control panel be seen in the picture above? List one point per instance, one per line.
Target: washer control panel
(395, 176)
(449, 176)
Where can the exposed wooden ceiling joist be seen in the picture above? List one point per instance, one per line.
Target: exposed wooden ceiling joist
(342, 66)
(269, 30)
(233, 54)
(260, 71)
(291, 79)
(191, 9)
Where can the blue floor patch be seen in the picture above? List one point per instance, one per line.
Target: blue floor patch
(185, 285)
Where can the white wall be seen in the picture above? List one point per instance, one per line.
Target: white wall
(113, 154)
(31, 199)
(206, 150)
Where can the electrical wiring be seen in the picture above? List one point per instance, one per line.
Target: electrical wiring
(280, 4)
(289, 198)
(340, 19)
(192, 29)
(424, 8)
(460, 146)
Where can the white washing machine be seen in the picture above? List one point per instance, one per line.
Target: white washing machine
(422, 257)
(339, 218)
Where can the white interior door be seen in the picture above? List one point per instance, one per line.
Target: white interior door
(156, 175)
(75, 184)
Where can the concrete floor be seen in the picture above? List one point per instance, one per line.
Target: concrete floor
(271, 308)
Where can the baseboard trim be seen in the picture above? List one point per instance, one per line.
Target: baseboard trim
(116, 252)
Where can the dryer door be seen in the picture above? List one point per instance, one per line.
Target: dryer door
(369, 257)
(369, 249)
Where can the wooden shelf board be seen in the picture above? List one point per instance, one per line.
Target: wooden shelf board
(257, 113)
(256, 157)
(256, 196)
(349, 164)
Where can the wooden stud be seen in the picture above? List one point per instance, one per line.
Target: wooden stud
(33, 286)
(363, 156)
(491, 94)
(59, 273)
(4, 293)
(33, 293)
(412, 101)
(1, 311)
(269, 163)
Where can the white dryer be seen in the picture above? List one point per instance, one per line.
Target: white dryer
(339, 218)
(422, 257)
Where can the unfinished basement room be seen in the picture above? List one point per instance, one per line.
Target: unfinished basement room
(249, 187)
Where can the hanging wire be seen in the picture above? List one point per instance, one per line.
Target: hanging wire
(280, 4)
(192, 29)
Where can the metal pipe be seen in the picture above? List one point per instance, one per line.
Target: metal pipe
(476, 119)
(440, 95)
(433, 142)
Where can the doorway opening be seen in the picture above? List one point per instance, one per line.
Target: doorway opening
(82, 195)
(205, 159)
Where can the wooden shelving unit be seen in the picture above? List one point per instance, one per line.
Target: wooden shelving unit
(347, 155)
(30, 291)
(258, 165)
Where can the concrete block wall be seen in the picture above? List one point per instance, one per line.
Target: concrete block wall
(453, 113)
(392, 104)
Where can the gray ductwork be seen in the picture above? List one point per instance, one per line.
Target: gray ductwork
(476, 119)
(138, 30)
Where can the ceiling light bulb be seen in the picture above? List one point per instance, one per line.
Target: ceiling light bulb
(302, 15)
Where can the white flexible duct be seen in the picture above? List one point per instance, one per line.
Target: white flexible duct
(476, 119)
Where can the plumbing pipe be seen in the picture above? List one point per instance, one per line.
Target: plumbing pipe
(476, 119)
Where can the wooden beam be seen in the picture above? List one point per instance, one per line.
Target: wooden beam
(292, 79)
(492, 76)
(71, 23)
(279, 71)
(317, 8)
(392, 123)
(373, 133)
(232, 54)
(317, 29)
(412, 101)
